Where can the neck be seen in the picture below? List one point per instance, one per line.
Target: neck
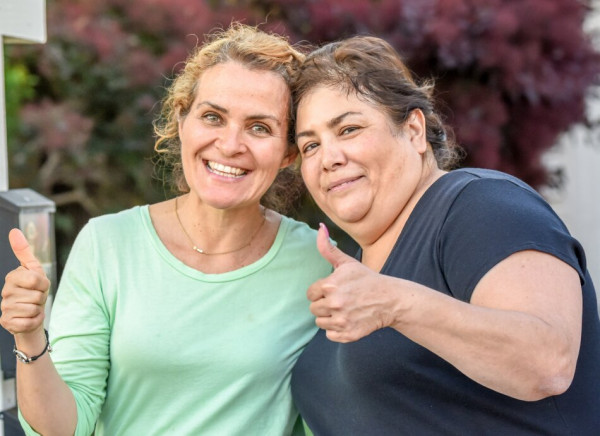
(213, 232)
(377, 241)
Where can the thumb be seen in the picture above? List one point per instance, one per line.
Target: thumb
(23, 252)
(331, 253)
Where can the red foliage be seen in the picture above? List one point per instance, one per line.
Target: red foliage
(513, 74)
(504, 68)
(60, 126)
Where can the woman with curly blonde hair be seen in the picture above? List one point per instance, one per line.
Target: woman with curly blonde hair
(183, 317)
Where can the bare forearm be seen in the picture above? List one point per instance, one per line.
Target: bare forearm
(519, 334)
(45, 401)
(511, 352)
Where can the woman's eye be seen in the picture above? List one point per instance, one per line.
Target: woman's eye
(260, 129)
(348, 130)
(308, 147)
(211, 117)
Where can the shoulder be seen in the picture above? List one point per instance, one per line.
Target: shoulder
(471, 186)
(500, 206)
(300, 244)
(501, 198)
(485, 177)
(461, 197)
(113, 228)
(466, 181)
(298, 231)
(127, 221)
(125, 217)
(493, 216)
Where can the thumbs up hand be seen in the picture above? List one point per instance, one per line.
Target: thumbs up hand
(25, 290)
(353, 301)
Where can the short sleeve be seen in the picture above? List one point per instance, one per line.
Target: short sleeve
(490, 220)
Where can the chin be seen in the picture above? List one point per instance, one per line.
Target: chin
(223, 203)
(346, 218)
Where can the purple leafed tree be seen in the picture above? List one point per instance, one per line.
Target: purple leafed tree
(511, 76)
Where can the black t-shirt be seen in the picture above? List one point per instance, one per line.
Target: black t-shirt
(386, 384)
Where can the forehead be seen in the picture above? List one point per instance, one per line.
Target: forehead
(235, 86)
(324, 103)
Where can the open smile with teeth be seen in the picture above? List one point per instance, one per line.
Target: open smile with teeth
(225, 170)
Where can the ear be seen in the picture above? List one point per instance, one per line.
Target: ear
(290, 157)
(180, 120)
(416, 130)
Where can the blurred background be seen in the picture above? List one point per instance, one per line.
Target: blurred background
(516, 79)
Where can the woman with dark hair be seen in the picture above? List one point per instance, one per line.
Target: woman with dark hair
(468, 308)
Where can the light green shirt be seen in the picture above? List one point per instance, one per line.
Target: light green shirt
(150, 346)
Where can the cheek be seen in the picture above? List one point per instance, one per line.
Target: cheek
(186, 139)
(274, 156)
(187, 154)
(310, 176)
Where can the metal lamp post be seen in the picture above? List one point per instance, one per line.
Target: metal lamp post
(21, 21)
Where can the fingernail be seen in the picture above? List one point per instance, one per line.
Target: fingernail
(324, 227)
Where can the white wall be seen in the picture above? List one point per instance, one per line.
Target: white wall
(577, 154)
(577, 202)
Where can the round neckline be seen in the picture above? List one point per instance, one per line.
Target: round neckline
(177, 264)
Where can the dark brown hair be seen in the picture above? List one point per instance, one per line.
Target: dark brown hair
(373, 70)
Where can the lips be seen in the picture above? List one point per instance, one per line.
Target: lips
(225, 170)
(341, 183)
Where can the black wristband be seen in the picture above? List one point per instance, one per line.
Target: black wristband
(26, 359)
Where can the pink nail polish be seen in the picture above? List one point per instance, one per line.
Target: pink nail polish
(324, 227)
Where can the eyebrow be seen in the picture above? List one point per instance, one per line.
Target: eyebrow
(225, 111)
(330, 124)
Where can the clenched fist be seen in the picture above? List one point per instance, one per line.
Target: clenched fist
(25, 290)
(354, 300)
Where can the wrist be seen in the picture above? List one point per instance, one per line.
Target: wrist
(32, 345)
(402, 303)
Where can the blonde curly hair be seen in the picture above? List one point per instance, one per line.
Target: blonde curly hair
(253, 48)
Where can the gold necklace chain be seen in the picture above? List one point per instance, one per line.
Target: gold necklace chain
(201, 251)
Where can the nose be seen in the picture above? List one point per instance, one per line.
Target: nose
(333, 156)
(231, 141)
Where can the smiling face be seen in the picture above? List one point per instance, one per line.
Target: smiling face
(361, 171)
(234, 138)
